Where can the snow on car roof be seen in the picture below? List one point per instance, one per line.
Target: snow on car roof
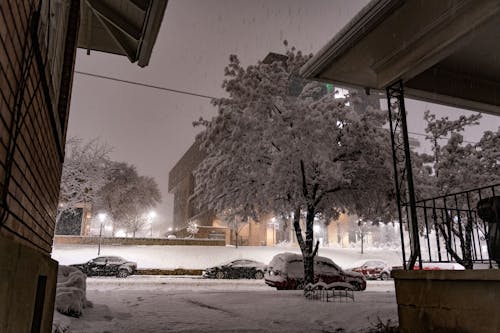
(279, 261)
(363, 261)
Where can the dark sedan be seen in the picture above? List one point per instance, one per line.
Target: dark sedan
(237, 269)
(108, 266)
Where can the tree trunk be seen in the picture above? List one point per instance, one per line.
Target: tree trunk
(309, 254)
(306, 246)
(308, 269)
(236, 233)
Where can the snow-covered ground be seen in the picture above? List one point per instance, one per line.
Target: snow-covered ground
(200, 257)
(190, 304)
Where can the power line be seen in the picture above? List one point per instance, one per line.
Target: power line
(144, 85)
(440, 138)
(185, 92)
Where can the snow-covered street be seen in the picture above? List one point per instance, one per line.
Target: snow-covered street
(192, 304)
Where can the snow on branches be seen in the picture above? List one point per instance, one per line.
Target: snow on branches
(458, 165)
(83, 174)
(90, 177)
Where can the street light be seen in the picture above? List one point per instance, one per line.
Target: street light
(275, 224)
(102, 218)
(151, 215)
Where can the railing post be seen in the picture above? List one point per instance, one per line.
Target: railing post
(402, 168)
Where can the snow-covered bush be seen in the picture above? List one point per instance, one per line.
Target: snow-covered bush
(60, 323)
(192, 228)
(70, 291)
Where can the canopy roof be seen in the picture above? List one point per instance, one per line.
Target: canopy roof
(124, 27)
(446, 52)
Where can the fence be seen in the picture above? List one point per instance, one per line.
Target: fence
(450, 229)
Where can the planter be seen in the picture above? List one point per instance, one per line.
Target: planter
(448, 301)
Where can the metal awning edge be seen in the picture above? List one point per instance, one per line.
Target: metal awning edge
(359, 26)
(154, 19)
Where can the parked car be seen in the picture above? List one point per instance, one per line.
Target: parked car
(436, 266)
(237, 269)
(373, 269)
(286, 271)
(108, 266)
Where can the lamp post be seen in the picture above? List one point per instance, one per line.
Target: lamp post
(102, 218)
(151, 215)
(275, 224)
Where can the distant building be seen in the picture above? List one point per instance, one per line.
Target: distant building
(75, 222)
(181, 185)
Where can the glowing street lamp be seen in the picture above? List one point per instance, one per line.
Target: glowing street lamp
(102, 219)
(151, 216)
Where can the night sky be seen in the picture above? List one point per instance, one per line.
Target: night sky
(151, 128)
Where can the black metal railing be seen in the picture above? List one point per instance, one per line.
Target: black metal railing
(450, 229)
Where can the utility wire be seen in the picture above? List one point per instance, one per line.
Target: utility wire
(183, 91)
(440, 138)
(144, 85)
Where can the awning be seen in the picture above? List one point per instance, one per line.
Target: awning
(124, 27)
(446, 52)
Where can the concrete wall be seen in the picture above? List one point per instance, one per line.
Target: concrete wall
(58, 240)
(181, 184)
(448, 301)
(205, 232)
(21, 268)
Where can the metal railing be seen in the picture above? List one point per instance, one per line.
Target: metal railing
(450, 229)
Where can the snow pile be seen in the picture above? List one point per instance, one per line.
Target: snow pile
(70, 291)
(60, 323)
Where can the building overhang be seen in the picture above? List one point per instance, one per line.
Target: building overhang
(446, 52)
(123, 27)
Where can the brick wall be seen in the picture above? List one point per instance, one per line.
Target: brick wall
(32, 129)
(33, 116)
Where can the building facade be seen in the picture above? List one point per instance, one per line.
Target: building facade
(269, 230)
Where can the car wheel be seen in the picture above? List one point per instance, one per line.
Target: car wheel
(122, 273)
(220, 275)
(259, 275)
(384, 276)
(299, 285)
(355, 286)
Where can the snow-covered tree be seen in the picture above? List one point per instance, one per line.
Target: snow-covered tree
(83, 174)
(192, 228)
(283, 144)
(439, 128)
(459, 166)
(127, 197)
